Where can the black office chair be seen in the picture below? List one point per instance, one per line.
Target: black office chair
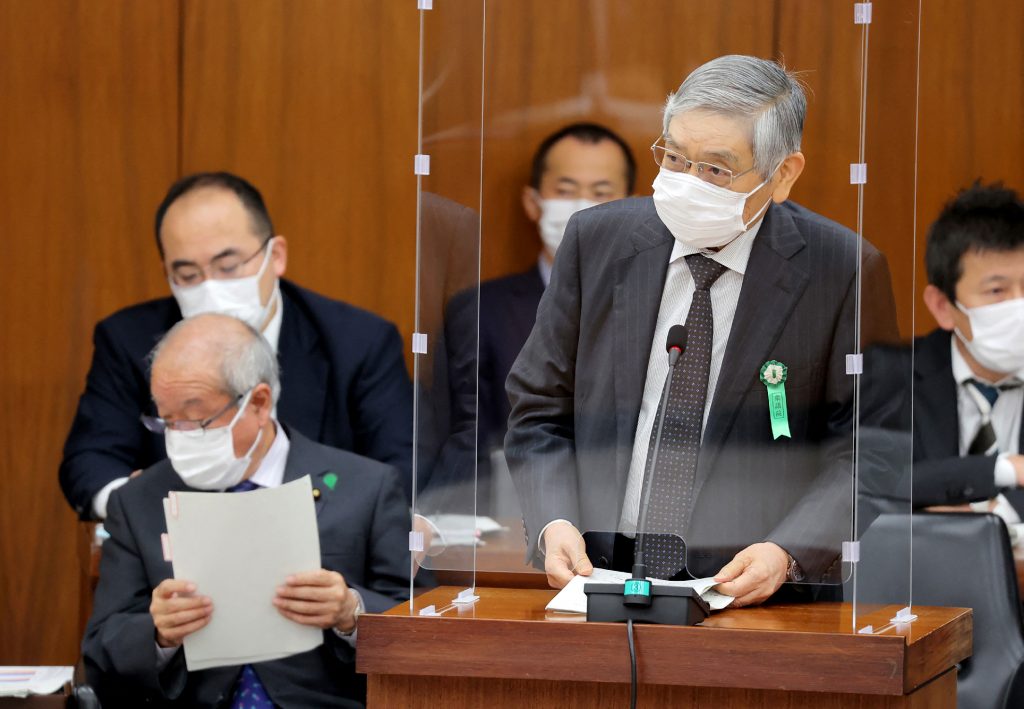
(960, 560)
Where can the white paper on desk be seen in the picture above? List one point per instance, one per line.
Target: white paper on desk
(572, 599)
(237, 548)
(459, 530)
(26, 681)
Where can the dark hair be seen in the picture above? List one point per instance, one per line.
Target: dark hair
(980, 218)
(248, 195)
(591, 133)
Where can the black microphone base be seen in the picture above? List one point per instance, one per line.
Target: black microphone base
(670, 605)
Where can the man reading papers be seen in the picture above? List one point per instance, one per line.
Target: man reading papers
(214, 383)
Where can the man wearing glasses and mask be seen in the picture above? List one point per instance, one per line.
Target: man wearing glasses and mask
(751, 494)
(343, 375)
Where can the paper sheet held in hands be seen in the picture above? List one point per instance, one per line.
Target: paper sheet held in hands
(237, 548)
(572, 599)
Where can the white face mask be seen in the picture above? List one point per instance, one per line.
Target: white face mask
(238, 297)
(206, 460)
(998, 335)
(698, 213)
(554, 215)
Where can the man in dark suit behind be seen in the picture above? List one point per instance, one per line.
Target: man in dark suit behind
(968, 395)
(768, 293)
(344, 377)
(217, 373)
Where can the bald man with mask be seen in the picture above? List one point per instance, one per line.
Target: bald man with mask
(214, 386)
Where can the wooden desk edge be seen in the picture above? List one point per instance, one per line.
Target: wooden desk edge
(397, 644)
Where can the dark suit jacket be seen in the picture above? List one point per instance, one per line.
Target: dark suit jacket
(577, 386)
(458, 478)
(343, 378)
(941, 476)
(363, 524)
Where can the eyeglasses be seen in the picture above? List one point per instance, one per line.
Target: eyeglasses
(197, 427)
(709, 172)
(221, 268)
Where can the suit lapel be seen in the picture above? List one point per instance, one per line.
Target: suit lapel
(304, 371)
(772, 286)
(639, 282)
(937, 420)
(302, 462)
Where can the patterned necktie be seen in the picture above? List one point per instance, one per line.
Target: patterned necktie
(249, 691)
(672, 481)
(984, 442)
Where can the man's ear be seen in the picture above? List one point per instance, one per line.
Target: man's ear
(940, 307)
(786, 176)
(279, 255)
(262, 401)
(531, 204)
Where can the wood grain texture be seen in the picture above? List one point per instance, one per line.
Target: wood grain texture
(315, 103)
(410, 692)
(812, 647)
(88, 135)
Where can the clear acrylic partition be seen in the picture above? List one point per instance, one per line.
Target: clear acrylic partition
(880, 589)
(500, 76)
(448, 262)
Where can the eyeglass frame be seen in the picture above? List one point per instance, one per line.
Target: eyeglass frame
(202, 271)
(160, 426)
(733, 176)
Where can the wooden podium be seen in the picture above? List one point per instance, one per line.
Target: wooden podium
(507, 651)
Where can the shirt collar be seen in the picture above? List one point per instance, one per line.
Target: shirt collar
(545, 269)
(272, 332)
(271, 470)
(733, 255)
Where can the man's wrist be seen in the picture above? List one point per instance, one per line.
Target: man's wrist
(359, 609)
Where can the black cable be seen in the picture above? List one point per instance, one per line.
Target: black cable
(632, 665)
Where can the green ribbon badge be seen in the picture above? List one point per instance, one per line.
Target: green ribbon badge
(330, 480)
(773, 376)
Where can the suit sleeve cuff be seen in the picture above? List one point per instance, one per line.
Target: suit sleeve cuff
(1005, 474)
(164, 656)
(99, 502)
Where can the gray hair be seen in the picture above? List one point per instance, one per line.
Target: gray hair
(757, 90)
(246, 358)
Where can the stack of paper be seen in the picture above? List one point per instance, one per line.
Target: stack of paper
(464, 530)
(237, 548)
(25, 681)
(572, 598)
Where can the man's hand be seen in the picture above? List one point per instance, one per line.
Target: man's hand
(176, 612)
(320, 598)
(1018, 467)
(135, 474)
(565, 554)
(754, 574)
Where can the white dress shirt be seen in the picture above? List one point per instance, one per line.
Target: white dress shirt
(675, 304)
(973, 410)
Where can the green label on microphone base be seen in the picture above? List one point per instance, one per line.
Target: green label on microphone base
(637, 587)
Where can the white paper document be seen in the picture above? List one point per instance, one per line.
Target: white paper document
(572, 599)
(26, 681)
(237, 548)
(459, 530)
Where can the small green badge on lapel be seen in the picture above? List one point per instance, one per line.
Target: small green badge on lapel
(773, 376)
(330, 480)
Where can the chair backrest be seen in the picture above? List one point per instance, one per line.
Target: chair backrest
(961, 560)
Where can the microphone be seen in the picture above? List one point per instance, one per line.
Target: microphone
(675, 343)
(636, 600)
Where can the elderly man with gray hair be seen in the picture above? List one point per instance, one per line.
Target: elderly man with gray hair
(214, 383)
(723, 484)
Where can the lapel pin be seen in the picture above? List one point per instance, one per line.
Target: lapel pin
(316, 493)
(773, 376)
(330, 480)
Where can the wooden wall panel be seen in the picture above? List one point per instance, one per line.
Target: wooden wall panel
(972, 107)
(314, 101)
(88, 139)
